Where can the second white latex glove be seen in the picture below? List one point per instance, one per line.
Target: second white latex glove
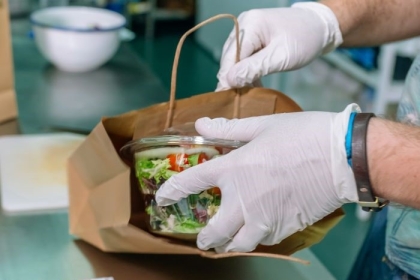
(277, 39)
(292, 173)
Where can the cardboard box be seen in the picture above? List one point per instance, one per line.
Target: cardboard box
(8, 107)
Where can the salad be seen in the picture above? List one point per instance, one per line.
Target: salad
(156, 165)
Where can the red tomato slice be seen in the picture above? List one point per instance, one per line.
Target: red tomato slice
(202, 158)
(177, 161)
(215, 191)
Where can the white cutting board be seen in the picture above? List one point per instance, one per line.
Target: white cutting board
(33, 171)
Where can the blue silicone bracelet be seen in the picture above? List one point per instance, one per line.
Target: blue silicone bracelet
(349, 136)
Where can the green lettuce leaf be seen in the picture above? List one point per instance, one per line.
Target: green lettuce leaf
(188, 226)
(157, 169)
(193, 159)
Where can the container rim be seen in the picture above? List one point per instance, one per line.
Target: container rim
(167, 140)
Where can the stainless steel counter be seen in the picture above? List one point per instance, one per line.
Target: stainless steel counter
(38, 246)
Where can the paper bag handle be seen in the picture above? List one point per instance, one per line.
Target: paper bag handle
(176, 61)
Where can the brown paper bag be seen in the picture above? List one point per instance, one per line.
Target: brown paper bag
(106, 207)
(8, 108)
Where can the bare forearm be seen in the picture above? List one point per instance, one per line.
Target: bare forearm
(394, 161)
(374, 22)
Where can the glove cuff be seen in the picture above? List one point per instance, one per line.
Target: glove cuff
(333, 37)
(343, 177)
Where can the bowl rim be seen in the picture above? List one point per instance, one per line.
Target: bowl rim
(44, 25)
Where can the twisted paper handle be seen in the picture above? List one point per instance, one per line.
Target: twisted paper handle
(170, 114)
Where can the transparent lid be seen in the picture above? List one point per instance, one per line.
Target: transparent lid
(131, 147)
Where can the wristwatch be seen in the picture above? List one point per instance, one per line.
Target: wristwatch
(367, 199)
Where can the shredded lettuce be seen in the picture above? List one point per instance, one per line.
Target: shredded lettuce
(149, 210)
(186, 216)
(157, 169)
(188, 226)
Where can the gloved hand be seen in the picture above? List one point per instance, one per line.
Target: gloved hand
(291, 173)
(277, 39)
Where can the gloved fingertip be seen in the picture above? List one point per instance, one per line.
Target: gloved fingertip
(240, 75)
(162, 201)
(213, 128)
(168, 194)
(221, 86)
(233, 79)
(202, 242)
(207, 238)
(221, 249)
(203, 124)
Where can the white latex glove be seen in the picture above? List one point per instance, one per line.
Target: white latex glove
(277, 39)
(292, 173)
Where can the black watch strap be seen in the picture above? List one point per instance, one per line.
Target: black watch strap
(367, 200)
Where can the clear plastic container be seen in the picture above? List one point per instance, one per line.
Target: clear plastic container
(156, 159)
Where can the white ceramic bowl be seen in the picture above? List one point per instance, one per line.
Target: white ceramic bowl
(77, 39)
